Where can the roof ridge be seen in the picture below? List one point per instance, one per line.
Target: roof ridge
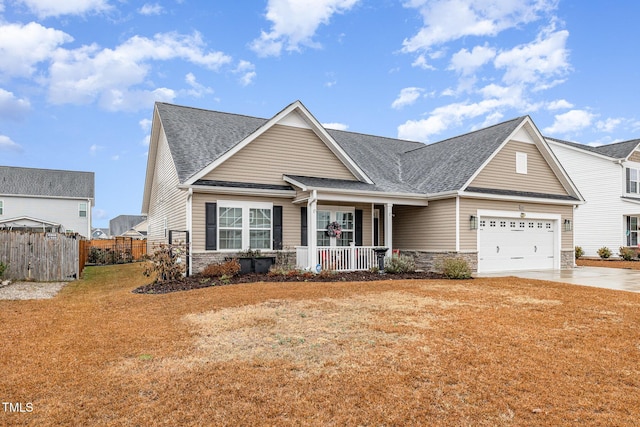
(45, 169)
(468, 133)
(207, 110)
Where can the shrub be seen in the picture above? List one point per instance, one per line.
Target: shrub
(399, 264)
(228, 268)
(579, 252)
(456, 268)
(627, 254)
(3, 268)
(604, 252)
(166, 263)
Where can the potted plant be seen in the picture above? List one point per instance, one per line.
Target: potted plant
(252, 261)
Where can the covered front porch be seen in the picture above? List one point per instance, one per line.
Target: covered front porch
(346, 226)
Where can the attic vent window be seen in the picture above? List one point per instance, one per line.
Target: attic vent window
(521, 163)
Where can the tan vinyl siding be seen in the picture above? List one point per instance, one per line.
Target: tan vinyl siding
(635, 156)
(290, 218)
(430, 228)
(281, 150)
(468, 207)
(501, 174)
(167, 201)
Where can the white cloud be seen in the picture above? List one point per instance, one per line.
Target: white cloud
(295, 22)
(89, 73)
(608, 125)
(421, 62)
(336, 126)
(465, 62)
(98, 213)
(447, 20)
(247, 72)
(560, 104)
(6, 144)
(145, 124)
(571, 121)
(146, 141)
(151, 9)
(536, 62)
(12, 107)
(22, 47)
(47, 8)
(93, 150)
(407, 96)
(197, 90)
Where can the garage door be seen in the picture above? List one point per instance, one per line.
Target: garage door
(508, 244)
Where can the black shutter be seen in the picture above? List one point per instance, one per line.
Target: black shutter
(358, 227)
(277, 227)
(211, 218)
(628, 180)
(303, 226)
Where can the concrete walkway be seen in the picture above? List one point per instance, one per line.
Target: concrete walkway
(610, 278)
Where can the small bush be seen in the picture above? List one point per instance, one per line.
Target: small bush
(579, 252)
(399, 264)
(166, 263)
(604, 252)
(3, 268)
(456, 268)
(627, 254)
(228, 268)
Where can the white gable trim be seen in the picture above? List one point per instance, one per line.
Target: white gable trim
(580, 150)
(626, 159)
(285, 117)
(539, 141)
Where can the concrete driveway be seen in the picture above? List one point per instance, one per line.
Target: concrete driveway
(610, 278)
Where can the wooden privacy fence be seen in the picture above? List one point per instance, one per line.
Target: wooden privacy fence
(43, 257)
(113, 251)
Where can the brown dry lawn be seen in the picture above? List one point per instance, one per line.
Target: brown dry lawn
(488, 352)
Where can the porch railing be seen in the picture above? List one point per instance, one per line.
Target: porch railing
(340, 258)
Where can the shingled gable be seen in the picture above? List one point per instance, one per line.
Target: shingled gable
(294, 114)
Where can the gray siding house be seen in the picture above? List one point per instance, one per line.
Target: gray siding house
(497, 197)
(46, 200)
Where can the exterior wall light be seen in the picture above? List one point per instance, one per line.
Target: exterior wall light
(568, 225)
(473, 222)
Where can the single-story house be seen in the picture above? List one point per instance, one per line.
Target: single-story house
(46, 200)
(497, 197)
(608, 177)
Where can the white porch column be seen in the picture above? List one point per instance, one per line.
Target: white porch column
(312, 224)
(388, 226)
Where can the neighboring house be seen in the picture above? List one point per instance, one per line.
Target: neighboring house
(46, 200)
(497, 197)
(100, 233)
(608, 177)
(129, 225)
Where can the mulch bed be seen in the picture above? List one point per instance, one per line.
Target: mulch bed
(198, 281)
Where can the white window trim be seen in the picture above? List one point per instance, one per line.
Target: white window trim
(637, 181)
(521, 163)
(246, 235)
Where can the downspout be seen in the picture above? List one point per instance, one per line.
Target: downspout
(457, 224)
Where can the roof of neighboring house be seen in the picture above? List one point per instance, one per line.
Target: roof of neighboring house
(198, 137)
(618, 150)
(123, 223)
(46, 182)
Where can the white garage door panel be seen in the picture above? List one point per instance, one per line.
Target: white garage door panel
(508, 244)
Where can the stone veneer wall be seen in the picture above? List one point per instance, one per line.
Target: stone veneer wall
(201, 259)
(567, 259)
(429, 261)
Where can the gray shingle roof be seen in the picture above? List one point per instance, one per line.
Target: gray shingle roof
(198, 137)
(619, 150)
(123, 223)
(46, 182)
(447, 165)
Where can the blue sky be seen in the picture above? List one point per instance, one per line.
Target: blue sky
(78, 78)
